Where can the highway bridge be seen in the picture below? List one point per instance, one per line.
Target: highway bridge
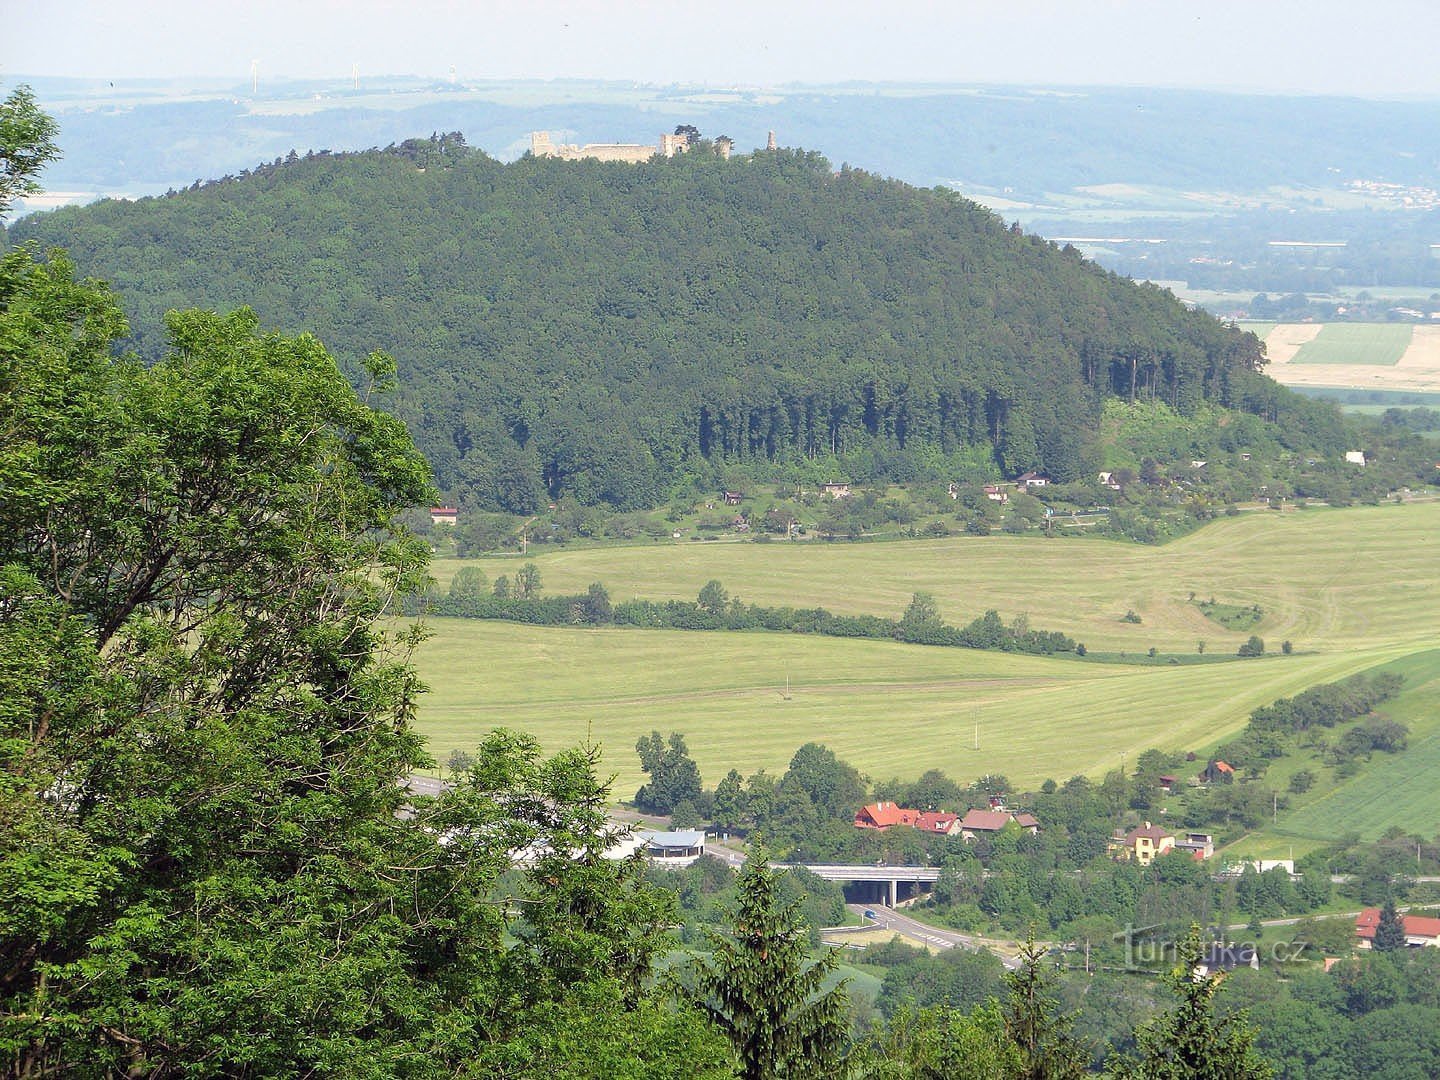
(889, 878)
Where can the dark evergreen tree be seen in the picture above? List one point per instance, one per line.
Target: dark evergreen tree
(1390, 931)
(760, 986)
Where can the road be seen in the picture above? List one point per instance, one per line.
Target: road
(938, 936)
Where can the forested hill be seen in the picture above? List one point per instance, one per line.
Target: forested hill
(601, 330)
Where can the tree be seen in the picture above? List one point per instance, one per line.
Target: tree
(1191, 1041)
(713, 598)
(942, 1043)
(1047, 1049)
(674, 777)
(27, 145)
(527, 582)
(597, 605)
(760, 988)
(205, 729)
(730, 801)
(921, 620)
(1255, 646)
(469, 583)
(834, 786)
(1390, 930)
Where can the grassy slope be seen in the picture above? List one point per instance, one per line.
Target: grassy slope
(1390, 790)
(893, 709)
(1327, 580)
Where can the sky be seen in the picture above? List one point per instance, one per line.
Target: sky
(1381, 48)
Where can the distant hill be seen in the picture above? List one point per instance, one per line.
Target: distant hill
(606, 330)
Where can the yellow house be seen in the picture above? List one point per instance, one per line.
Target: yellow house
(1147, 843)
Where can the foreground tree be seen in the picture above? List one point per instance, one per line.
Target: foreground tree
(205, 731)
(27, 145)
(760, 987)
(1190, 1042)
(1046, 1048)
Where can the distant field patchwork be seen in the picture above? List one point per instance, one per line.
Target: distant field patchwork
(1366, 356)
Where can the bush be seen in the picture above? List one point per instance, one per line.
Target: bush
(1254, 647)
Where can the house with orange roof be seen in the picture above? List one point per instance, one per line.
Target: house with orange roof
(1145, 844)
(1420, 931)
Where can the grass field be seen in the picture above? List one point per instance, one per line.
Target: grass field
(1380, 344)
(1393, 789)
(1325, 579)
(1351, 588)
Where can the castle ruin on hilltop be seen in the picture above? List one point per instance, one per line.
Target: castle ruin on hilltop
(668, 146)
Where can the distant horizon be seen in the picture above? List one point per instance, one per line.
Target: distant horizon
(1222, 46)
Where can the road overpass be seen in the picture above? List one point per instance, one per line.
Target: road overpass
(889, 876)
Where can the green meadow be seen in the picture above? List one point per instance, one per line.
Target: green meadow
(1381, 344)
(1325, 579)
(1351, 589)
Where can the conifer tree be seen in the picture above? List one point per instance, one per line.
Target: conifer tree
(760, 988)
(1390, 932)
(1048, 1051)
(1190, 1042)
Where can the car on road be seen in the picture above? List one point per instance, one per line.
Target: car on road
(870, 913)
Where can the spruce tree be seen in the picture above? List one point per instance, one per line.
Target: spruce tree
(1190, 1042)
(1048, 1051)
(760, 987)
(1390, 932)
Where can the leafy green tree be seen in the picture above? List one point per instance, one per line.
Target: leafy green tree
(730, 801)
(527, 582)
(205, 733)
(713, 598)
(941, 1043)
(469, 583)
(1390, 930)
(834, 786)
(674, 776)
(1191, 1041)
(27, 145)
(597, 606)
(1254, 646)
(760, 987)
(921, 619)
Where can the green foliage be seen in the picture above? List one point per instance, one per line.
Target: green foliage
(1390, 931)
(941, 1043)
(1192, 1042)
(674, 777)
(1048, 1050)
(759, 986)
(205, 735)
(549, 315)
(1253, 646)
(27, 145)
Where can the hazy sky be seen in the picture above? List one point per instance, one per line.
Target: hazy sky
(1381, 47)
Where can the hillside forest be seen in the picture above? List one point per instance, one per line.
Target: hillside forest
(606, 332)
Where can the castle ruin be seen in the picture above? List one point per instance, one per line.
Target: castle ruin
(667, 146)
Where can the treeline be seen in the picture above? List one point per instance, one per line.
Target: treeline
(1275, 729)
(715, 609)
(605, 331)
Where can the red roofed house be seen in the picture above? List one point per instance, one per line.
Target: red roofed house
(937, 821)
(1217, 770)
(978, 823)
(444, 515)
(1419, 930)
(1146, 843)
(885, 815)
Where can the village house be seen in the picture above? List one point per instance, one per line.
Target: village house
(1217, 771)
(674, 848)
(732, 498)
(1107, 479)
(996, 494)
(1199, 845)
(1420, 931)
(836, 491)
(1220, 958)
(978, 823)
(1032, 479)
(444, 515)
(884, 815)
(1145, 844)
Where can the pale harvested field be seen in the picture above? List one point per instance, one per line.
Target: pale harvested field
(1417, 370)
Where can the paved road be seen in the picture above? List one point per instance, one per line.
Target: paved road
(939, 936)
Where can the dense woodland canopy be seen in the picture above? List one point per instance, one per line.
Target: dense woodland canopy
(605, 331)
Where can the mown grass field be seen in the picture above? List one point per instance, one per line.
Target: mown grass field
(1325, 579)
(1351, 588)
(1379, 344)
(1392, 789)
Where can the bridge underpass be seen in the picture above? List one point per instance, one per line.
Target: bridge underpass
(885, 881)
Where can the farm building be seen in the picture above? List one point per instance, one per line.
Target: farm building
(1420, 931)
(444, 515)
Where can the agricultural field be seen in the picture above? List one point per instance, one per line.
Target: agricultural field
(893, 709)
(1362, 356)
(1324, 579)
(1389, 790)
(1352, 589)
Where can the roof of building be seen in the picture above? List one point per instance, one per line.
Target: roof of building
(1027, 821)
(1415, 925)
(1227, 957)
(936, 821)
(1148, 832)
(681, 838)
(985, 820)
(884, 814)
